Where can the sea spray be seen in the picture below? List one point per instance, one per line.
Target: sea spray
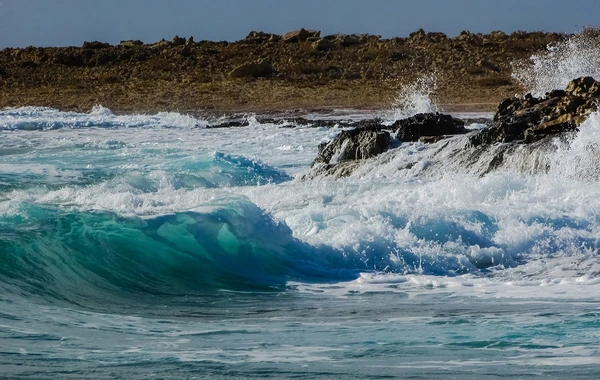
(553, 69)
(414, 98)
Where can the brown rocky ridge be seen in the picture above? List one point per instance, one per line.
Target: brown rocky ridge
(299, 70)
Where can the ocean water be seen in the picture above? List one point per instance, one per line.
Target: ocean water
(150, 246)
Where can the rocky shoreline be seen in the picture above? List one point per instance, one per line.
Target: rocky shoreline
(526, 121)
(265, 72)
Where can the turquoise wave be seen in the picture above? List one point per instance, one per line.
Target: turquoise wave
(83, 256)
(78, 256)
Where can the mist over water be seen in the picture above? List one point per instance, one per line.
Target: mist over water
(152, 246)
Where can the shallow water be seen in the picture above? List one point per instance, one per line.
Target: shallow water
(149, 246)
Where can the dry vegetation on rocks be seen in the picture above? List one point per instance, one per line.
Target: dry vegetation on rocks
(264, 71)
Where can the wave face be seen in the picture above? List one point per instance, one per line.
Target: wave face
(98, 256)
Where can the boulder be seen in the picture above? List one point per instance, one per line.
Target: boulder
(356, 144)
(260, 37)
(300, 35)
(253, 69)
(423, 125)
(529, 119)
(95, 45)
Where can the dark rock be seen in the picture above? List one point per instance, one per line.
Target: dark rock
(178, 41)
(348, 40)
(95, 45)
(428, 124)
(253, 69)
(355, 144)
(230, 124)
(529, 119)
(418, 35)
(436, 36)
(69, 59)
(300, 35)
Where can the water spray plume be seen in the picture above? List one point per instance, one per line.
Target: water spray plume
(576, 57)
(414, 98)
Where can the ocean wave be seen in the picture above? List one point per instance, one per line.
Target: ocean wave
(96, 256)
(81, 256)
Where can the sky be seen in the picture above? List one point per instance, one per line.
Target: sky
(71, 22)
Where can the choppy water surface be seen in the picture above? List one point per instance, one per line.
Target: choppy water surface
(150, 246)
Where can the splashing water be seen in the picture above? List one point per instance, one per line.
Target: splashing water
(577, 157)
(558, 65)
(414, 99)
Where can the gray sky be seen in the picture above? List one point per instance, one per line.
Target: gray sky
(70, 22)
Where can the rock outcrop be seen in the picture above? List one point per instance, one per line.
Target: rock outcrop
(356, 144)
(345, 153)
(300, 35)
(425, 126)
(255, 37)
(530, 119)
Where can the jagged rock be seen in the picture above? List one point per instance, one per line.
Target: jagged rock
(428, 125)
(529, 119)
(418, 35)
(253, 69)
(355, 144)
(178, 41)
(300, 35)
(95, 45)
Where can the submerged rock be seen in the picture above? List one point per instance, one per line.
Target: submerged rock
(530, 119)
